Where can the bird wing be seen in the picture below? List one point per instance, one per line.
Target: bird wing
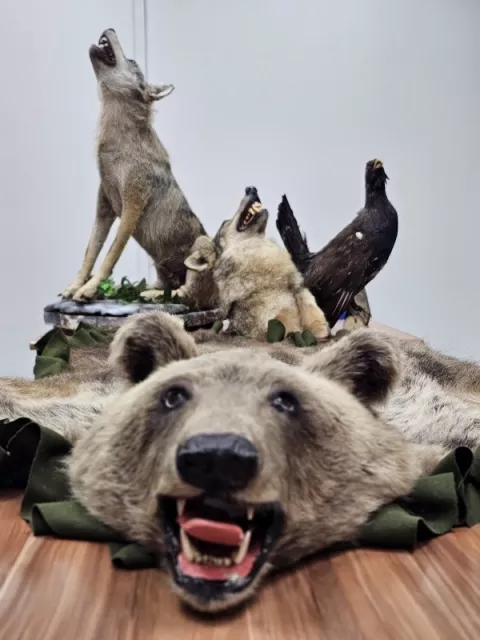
(339, 271)
(295, 243)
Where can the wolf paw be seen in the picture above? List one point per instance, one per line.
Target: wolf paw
(72, 290)
(179, 293)
(152, 294)
(319, 329)
(88, 291)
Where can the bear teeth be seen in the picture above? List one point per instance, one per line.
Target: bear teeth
(181, 507)
(193, 555)
(187, 546)
(240, 555)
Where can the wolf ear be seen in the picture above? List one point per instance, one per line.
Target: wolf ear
(196, 262)
(148, 341)
(366, 363)
(157, 92)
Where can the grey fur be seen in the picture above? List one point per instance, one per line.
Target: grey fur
(136, 181)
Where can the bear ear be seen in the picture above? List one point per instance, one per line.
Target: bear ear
(148, 341)
(367, 364)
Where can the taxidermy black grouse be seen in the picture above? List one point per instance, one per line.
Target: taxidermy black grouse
(337, 273)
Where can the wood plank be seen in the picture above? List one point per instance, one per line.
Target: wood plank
(13, 531)
(57, 589)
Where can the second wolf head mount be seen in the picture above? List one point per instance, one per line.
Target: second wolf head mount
(256, 279)
(136, 181)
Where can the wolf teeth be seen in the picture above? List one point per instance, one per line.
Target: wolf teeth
(180, 507)
(256, 206)
(240, 555)
(250, 513)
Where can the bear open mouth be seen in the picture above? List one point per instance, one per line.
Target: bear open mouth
(248, 216)
(104, 51)
(215, 546)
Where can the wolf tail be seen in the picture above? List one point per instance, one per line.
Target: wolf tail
(295, 243)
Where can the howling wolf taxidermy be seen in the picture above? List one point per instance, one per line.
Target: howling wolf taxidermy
(136, 181)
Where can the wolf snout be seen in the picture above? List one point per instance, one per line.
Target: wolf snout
(219, 462)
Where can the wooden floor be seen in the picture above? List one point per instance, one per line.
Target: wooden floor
(63, 590)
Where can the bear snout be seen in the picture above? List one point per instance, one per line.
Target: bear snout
(217, 462)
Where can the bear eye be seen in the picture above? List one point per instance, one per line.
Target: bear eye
(175, 397)
(284, 402)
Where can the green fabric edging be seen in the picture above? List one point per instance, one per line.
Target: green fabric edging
(276, 333)
(47, 505)
(32, 457)
(53, 348)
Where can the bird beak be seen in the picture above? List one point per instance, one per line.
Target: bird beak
(378, 164)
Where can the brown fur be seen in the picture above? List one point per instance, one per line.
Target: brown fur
(309, 461)
(257, 282)
(375, 413)
(136, 181)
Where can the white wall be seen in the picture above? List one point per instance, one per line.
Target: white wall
(296, 96)
(48, 176)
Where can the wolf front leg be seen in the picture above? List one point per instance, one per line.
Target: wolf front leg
(131, 213)
(311, 316)
(102, 224)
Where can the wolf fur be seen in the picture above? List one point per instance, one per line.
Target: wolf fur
(200, 289)
(136, 181)
(257, 280)
(375, 413)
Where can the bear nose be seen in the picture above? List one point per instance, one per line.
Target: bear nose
(220, 462)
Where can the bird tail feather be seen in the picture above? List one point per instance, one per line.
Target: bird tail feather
(295, 243)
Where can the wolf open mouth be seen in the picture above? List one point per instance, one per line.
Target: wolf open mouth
(216, 547)
(104, 51)
(248, 216)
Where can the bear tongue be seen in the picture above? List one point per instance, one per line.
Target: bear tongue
(224, 533)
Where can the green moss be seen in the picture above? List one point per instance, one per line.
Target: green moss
(128, 291)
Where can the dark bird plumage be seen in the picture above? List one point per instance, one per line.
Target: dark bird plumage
(352, 259)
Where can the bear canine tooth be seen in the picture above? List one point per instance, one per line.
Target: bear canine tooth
(240, 555)
(186, 546)
(250, 513)
(181, 507)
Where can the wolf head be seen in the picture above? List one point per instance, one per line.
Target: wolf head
(230, 464)
(118, 75)
(200, 288)
(202, 256)
(250, 220)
